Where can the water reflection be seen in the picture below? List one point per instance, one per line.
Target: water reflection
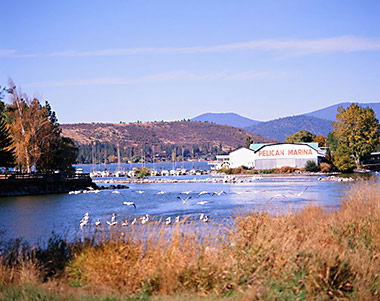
(35, 217)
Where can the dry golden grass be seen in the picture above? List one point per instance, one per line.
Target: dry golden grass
(309, 254)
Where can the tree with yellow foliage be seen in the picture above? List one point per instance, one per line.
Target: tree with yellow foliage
(37, 135)
(357, 132)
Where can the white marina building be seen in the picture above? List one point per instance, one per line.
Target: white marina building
(271, 155)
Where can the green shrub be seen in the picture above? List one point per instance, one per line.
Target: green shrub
(311, 166)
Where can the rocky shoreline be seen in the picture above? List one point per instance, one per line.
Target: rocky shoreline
(221, 179)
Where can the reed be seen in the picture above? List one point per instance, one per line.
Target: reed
(309, 254)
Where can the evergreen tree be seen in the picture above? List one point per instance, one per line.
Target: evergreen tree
(7, 158)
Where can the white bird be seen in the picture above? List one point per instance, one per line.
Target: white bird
(113, 220)
(116, 191)
(129, 204)
(202, 203)
(84, 220)
(219, 193)
(184, 201)
(176, 219)
(300, 193)
(161, 192)
(125, 223)
(203, 192)
(168, 220)
(98, 223)
(145, 219)
(140, 191)
(203, 218)
(134, 221)
(278, 195)
(187, 192)
(111, 224)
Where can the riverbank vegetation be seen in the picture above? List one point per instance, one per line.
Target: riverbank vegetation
(311, 166)
(309, 254)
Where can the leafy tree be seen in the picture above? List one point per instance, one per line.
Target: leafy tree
(321, 140)
(343, 160)
(36, 131)
(300, 136)
(357, 132)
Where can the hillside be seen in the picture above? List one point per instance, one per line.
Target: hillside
(231, 119)
(329, 113)
(160, 139)
(278, 129)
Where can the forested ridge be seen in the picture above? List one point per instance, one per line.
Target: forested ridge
(166, 140)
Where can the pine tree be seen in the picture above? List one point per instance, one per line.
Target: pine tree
(7, 158)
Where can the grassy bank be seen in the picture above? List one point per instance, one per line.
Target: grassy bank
(310, 254)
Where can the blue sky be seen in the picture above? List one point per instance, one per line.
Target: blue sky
(111, 61)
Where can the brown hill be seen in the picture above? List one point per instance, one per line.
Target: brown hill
(180, 133)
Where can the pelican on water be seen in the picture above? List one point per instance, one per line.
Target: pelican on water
(84, 220)
(98, 223)
(129, 204)
(125, 223)
(176, 219)
(116, 191)
(113, 220)
(161, 192)
(168, 220)
(134, 221)
(203, 218)
(145, 219)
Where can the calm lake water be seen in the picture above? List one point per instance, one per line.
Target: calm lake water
(34, 218)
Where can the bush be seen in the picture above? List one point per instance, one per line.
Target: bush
(287, 169)
(311, 166)
(325, 167)
(344, 163)
(142, 172)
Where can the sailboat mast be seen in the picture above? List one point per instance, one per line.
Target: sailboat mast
(118, 157)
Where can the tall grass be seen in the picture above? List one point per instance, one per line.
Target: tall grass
(310, 254)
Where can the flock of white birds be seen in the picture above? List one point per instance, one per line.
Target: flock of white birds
(168, 221)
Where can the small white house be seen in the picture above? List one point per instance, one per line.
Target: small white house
(242, 157)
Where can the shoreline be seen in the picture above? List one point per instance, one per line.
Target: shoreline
(243, 178)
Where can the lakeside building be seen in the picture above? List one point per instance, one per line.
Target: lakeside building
(271, 155)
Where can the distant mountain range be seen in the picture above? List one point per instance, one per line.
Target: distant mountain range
(279, 129)
(329, 113)
(318, 122)
(230, 119)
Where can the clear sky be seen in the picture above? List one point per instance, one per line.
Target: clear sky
(129, 60)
